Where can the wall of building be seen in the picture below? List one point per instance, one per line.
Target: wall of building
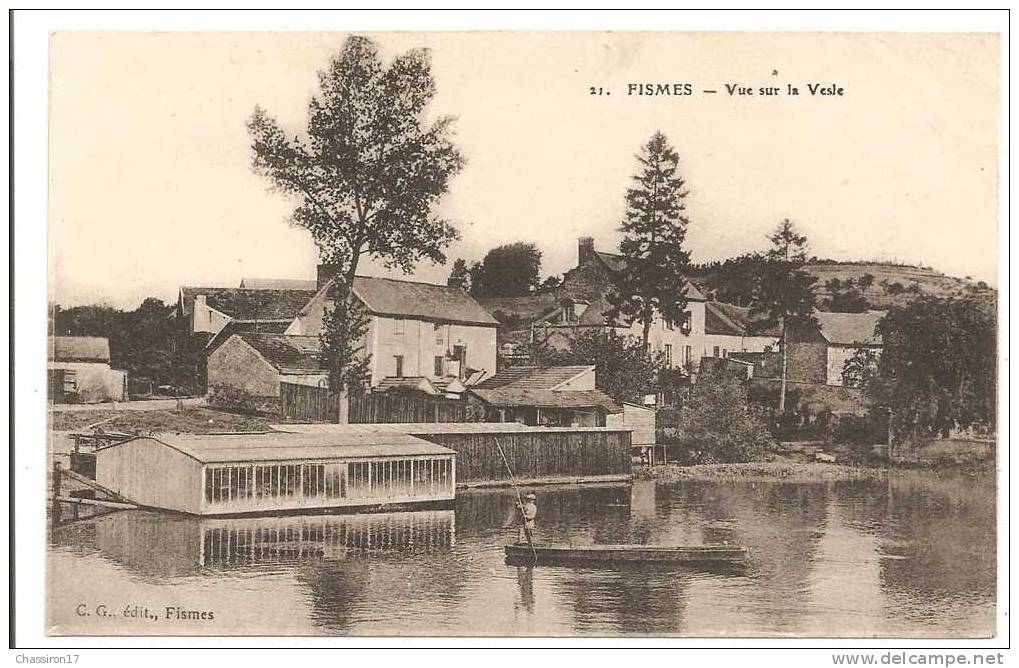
(151, 474)
(837, 357)
(641, 420)
(737, 344)
(238, 366)
(419, 342)
(807, 362)
(95, 382)
(204, 318)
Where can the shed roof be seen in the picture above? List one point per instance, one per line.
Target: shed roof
(516, 396)
(534, 377)
(289, 354)
(729, 319)
(847, 329)
(80, 348)
(248, 304)
(425, 301)
(289, 446)
(426, 428)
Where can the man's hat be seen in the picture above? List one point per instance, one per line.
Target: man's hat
(530, 496)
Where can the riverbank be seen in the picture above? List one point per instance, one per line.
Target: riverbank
(776, 471)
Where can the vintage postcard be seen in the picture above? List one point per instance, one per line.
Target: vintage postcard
(598, 334)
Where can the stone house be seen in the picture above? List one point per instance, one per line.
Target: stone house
(247, 368)
(818, 351)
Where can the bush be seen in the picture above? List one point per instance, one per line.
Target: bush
(240, 401)
(718, 424)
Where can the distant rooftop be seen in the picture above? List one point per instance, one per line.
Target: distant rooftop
(248, 304)
(849, 329)
(277, 284)
(293, 354)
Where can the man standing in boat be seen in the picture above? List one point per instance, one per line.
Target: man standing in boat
(528, 513)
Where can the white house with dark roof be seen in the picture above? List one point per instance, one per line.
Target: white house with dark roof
(415, 330)
(729, 329)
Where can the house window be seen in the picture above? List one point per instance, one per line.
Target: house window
(725, 353)
(668, 324)
(668, 355)
(715, 353)
(70, 381)
(439, 359)
(687, 325)
(460, 354)
(438, 334)
(399, 365)
(398, 327)
(687, 353)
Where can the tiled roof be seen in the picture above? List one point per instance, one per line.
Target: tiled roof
(407, 383)
(80, 349)
(237, 326)
(518, 396)
(248, 304)
(292, 354)
(533, 377)
(427, 301)
(723, 318)
(850, 328)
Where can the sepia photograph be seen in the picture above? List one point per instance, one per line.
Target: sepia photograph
(503, 334)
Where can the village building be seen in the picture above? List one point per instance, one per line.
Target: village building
(249, 366)
(581, 304)
(79, 371)
(416, 330)
(207, 310)
(818, 351)
(730, 329)
(558, 396)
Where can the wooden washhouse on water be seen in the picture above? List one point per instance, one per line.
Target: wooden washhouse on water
(230, 474)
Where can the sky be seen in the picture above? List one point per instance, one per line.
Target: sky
(151, 185)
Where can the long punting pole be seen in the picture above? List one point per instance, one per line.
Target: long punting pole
(520, 501)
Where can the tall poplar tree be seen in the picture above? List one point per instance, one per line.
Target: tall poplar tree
(366, 174)
(653, 273)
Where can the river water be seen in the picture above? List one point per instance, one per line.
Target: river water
(913, 555)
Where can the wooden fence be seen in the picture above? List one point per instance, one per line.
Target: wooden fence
(306, 403)
(537, 455)
(377, 408)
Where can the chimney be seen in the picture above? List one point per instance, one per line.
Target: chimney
(326, 272)
(585, 249)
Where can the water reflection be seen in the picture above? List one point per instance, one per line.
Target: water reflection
(913, 555)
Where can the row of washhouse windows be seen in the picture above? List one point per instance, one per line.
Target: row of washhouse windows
(397, 478)
(229, 545)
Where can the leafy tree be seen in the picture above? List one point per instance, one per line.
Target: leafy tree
(866, 282)
(476, 276)
(510, 270)
(844, 296)
(784, 293)
(626, 372)
(367, 172)
(550, 284)
(861, 368)
(343, 340)
(719, 424)
(938, 366)
(654, 261)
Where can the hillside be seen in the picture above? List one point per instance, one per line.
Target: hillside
(889, 284)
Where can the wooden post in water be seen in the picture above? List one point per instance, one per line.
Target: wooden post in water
(57, 477)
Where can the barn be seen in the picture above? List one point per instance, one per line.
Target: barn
(229, 474)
